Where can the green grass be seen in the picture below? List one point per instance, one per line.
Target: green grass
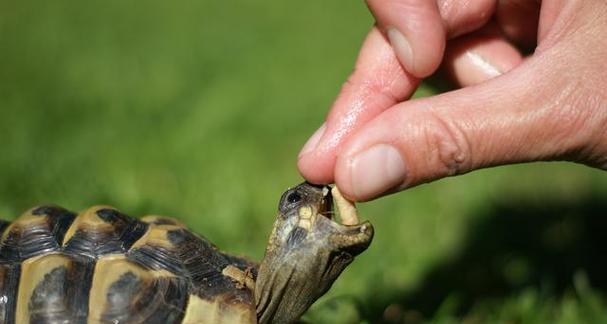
(197, 109)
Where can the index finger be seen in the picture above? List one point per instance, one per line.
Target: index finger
(377, 83)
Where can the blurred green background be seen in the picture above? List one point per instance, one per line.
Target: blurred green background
(197, 109)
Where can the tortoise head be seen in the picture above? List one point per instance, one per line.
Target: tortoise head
(306, 252)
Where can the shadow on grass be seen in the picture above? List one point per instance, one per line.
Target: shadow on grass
(515, 245)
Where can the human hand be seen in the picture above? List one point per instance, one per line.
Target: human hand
(549, 106)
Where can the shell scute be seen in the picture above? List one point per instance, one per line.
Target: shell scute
(102, 230)
(177, 250)
(37, 231)
(47, 293)
(155, 250)
(124, 292)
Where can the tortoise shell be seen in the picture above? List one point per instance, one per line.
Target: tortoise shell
(102, 266)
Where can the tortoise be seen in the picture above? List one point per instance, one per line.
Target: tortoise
(102, 266)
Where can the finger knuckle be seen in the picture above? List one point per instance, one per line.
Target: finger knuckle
(450, 148)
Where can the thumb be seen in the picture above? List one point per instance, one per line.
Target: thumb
(535, 112)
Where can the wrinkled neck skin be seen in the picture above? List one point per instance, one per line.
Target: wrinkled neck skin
(306, 252)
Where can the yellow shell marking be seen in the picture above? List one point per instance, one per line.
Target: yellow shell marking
(107, 271)
(88, 219)
(156, 236)
(161, 220)
(26, 220)
(32, 273)
(201, 311)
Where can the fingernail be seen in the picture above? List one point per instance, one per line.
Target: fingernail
(401, 46)
(376, 170)
(313, 141)
(485, 67)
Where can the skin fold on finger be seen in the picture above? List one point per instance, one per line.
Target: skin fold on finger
(377, 83)
(480, 56)
(549, 12)
(415, 31)
(557, 18)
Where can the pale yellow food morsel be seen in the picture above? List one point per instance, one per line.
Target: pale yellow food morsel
(346, 208)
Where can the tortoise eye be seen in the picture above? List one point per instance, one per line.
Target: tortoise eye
(293, 197)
